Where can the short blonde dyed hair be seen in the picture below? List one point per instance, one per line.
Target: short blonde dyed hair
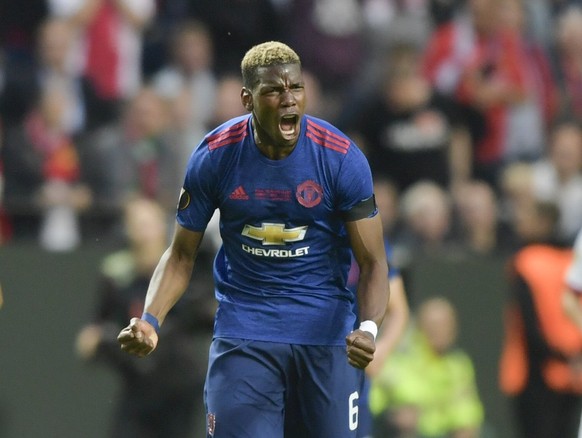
(265, 55)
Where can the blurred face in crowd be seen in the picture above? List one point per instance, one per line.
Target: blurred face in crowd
(566, 150)
(517, 184)
(145, 223)
(569, 32)
(313, 94)
(278, 103)
(147, 114)
(193, 50)
(512, 14)
(427, 212)
(227, 101)
(387, 200)
(477, 206)
(406, 88)
(531, 225)
(485, 15)
(437, 320)
(55, 43)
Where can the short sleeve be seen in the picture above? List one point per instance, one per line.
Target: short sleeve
(355, 181)
(197, 201)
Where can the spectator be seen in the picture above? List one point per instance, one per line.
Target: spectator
(481, 230)
(53, 62)
(388, 200)
(44, 187)
(410, 132)
(427, 388)
(540, 361)
(329, 36)
(389, 22)
(427, 216)
(480, 62)
(558, 177)
(161, 396)
(188, 82)
(516, 189)
(111, 32)
(139, 155)
(568, 60)
(529, 119)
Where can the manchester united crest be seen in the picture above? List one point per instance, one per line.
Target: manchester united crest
(309, 194)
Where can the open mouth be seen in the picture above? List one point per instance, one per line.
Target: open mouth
(288, 125)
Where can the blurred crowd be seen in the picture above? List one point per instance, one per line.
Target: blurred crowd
(470, 111)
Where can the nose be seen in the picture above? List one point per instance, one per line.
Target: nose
(287, 98)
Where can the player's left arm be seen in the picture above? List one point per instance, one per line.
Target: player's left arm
(393, 327)
(367, 243)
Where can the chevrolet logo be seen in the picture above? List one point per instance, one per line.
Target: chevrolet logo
(274, 234)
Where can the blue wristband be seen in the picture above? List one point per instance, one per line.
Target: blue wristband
(151, 319)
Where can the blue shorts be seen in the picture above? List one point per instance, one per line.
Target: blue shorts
(260, 389)
(366, 421)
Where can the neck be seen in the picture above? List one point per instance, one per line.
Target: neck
(269, 149)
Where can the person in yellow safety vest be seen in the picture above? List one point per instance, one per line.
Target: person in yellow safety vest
(427, 388)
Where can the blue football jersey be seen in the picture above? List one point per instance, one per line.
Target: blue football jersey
(281, 272)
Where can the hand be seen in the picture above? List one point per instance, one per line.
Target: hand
(138, 338)
(88, 340)
(360, 348)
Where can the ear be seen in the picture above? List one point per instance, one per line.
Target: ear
(246, 97)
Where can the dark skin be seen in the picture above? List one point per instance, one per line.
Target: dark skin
(277, 103)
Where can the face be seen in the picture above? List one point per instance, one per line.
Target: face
(277, 103)
(55, 43)
(147, 115)
(193, 51)
(438, 322)
(145, 222)
(566, 150)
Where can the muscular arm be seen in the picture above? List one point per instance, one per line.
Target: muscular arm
(168, 283)
(397, 315)
(373, 288)
(368, 247)
(172, 275)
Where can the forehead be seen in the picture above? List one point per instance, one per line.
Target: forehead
(282, 73)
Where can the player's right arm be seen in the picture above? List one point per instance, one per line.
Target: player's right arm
(168, 283)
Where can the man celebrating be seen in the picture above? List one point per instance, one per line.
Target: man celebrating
(295, 197)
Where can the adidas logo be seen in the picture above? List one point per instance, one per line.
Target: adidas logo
(239, 193)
